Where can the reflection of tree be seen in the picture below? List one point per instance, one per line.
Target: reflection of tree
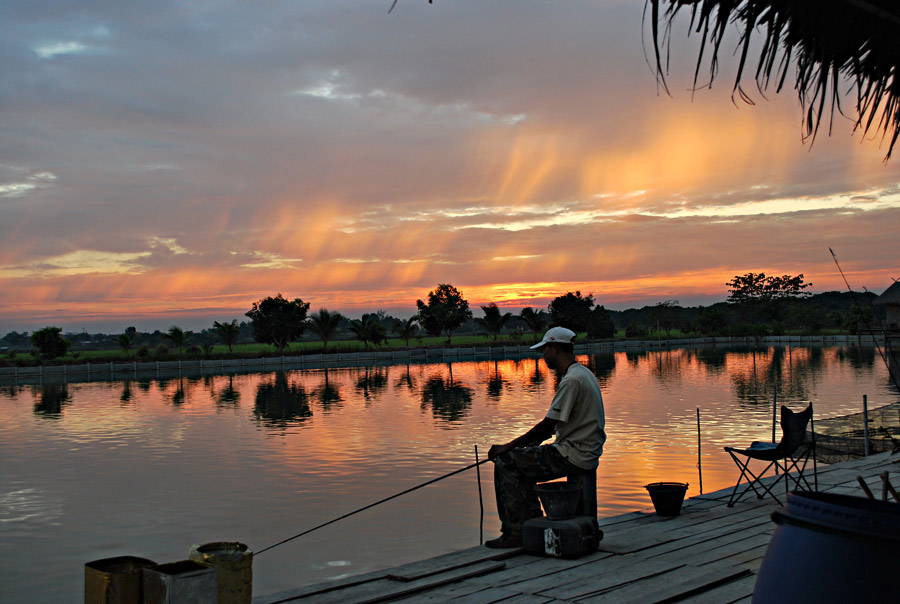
(229, 395)
(280, 404)
(496, 383)
(406, 379)
(327, 394)
(634, 357)
(54, 396)
(144, 385)
(776, 371)
(859, 358)
(12, 390)
(448, 400)
(667, 366)
(603, 365)
(372, 381)
(537, 376)
(179, 396)
(712, 358)
(127, 394)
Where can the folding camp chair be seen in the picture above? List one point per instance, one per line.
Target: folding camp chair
(791, 454)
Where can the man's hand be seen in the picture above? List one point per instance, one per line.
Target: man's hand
(497, 450)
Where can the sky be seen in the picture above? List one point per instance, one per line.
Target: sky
(171, 162)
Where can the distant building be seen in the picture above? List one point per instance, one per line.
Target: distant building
(890, 299)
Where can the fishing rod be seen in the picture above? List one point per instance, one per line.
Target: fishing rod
(371, 505)
(866, 322)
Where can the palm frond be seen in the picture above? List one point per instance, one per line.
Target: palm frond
(830, 43)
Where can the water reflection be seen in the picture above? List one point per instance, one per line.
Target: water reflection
(537, 376)
(280, 404)
(859, 358)
(127, 395)
(328, 394)
(425, 423)
(713, 359)
(372, 382)
(496, 384)
(406, 380)
(179, 395)
(603, 365)
(53, 398)
(228, 396)
(449, 400)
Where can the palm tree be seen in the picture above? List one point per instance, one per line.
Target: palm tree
(493, 321)
(535, 320)
(325, 325)
(368, 329)
(179, 337)
(407, 330)
(228, 333)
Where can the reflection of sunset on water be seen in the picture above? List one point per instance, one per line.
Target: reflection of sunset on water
(252, 457)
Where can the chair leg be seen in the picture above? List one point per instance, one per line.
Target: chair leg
(752, 481)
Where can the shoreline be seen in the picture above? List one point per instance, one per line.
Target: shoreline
(135, 369)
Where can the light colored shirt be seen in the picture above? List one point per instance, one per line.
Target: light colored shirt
(577, 409)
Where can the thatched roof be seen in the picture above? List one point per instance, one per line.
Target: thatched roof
(829, 42)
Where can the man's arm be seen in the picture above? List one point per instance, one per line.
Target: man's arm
(539, 433)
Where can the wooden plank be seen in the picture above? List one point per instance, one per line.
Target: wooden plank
(546, 567)
(633, 571)
(448, 562)
(445, 593)
(729, 593)
(701, 541)
(689, 587)
(553, 571)
(320, 588)
(687, 579)
(494, 595)
(385, 590)
(721, 552)
(684, 536)
(751, 558)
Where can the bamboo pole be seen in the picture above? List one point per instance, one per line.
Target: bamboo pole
(699, 454)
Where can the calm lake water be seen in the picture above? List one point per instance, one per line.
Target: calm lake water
(149, 467)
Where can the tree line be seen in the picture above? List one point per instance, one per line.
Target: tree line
(757, 305)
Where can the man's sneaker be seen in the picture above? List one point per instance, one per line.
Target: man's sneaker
(504, 541)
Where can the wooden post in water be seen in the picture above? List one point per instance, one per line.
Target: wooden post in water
(699, 456)
(866, 423)
(775, 417)
(774, 412)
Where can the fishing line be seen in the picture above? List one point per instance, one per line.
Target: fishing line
(865, 320)
(371, 505)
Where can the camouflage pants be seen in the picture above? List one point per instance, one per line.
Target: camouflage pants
(515, 474)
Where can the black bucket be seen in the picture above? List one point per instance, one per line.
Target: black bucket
(667, 497)
(560, 499)
(849, 543)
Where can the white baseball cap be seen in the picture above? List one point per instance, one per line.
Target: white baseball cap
(558, 335)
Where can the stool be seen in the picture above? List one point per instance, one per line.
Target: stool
(587, 480)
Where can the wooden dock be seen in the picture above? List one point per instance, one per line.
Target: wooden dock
(710, 553)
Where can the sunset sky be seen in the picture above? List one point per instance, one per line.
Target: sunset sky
(168, 163)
